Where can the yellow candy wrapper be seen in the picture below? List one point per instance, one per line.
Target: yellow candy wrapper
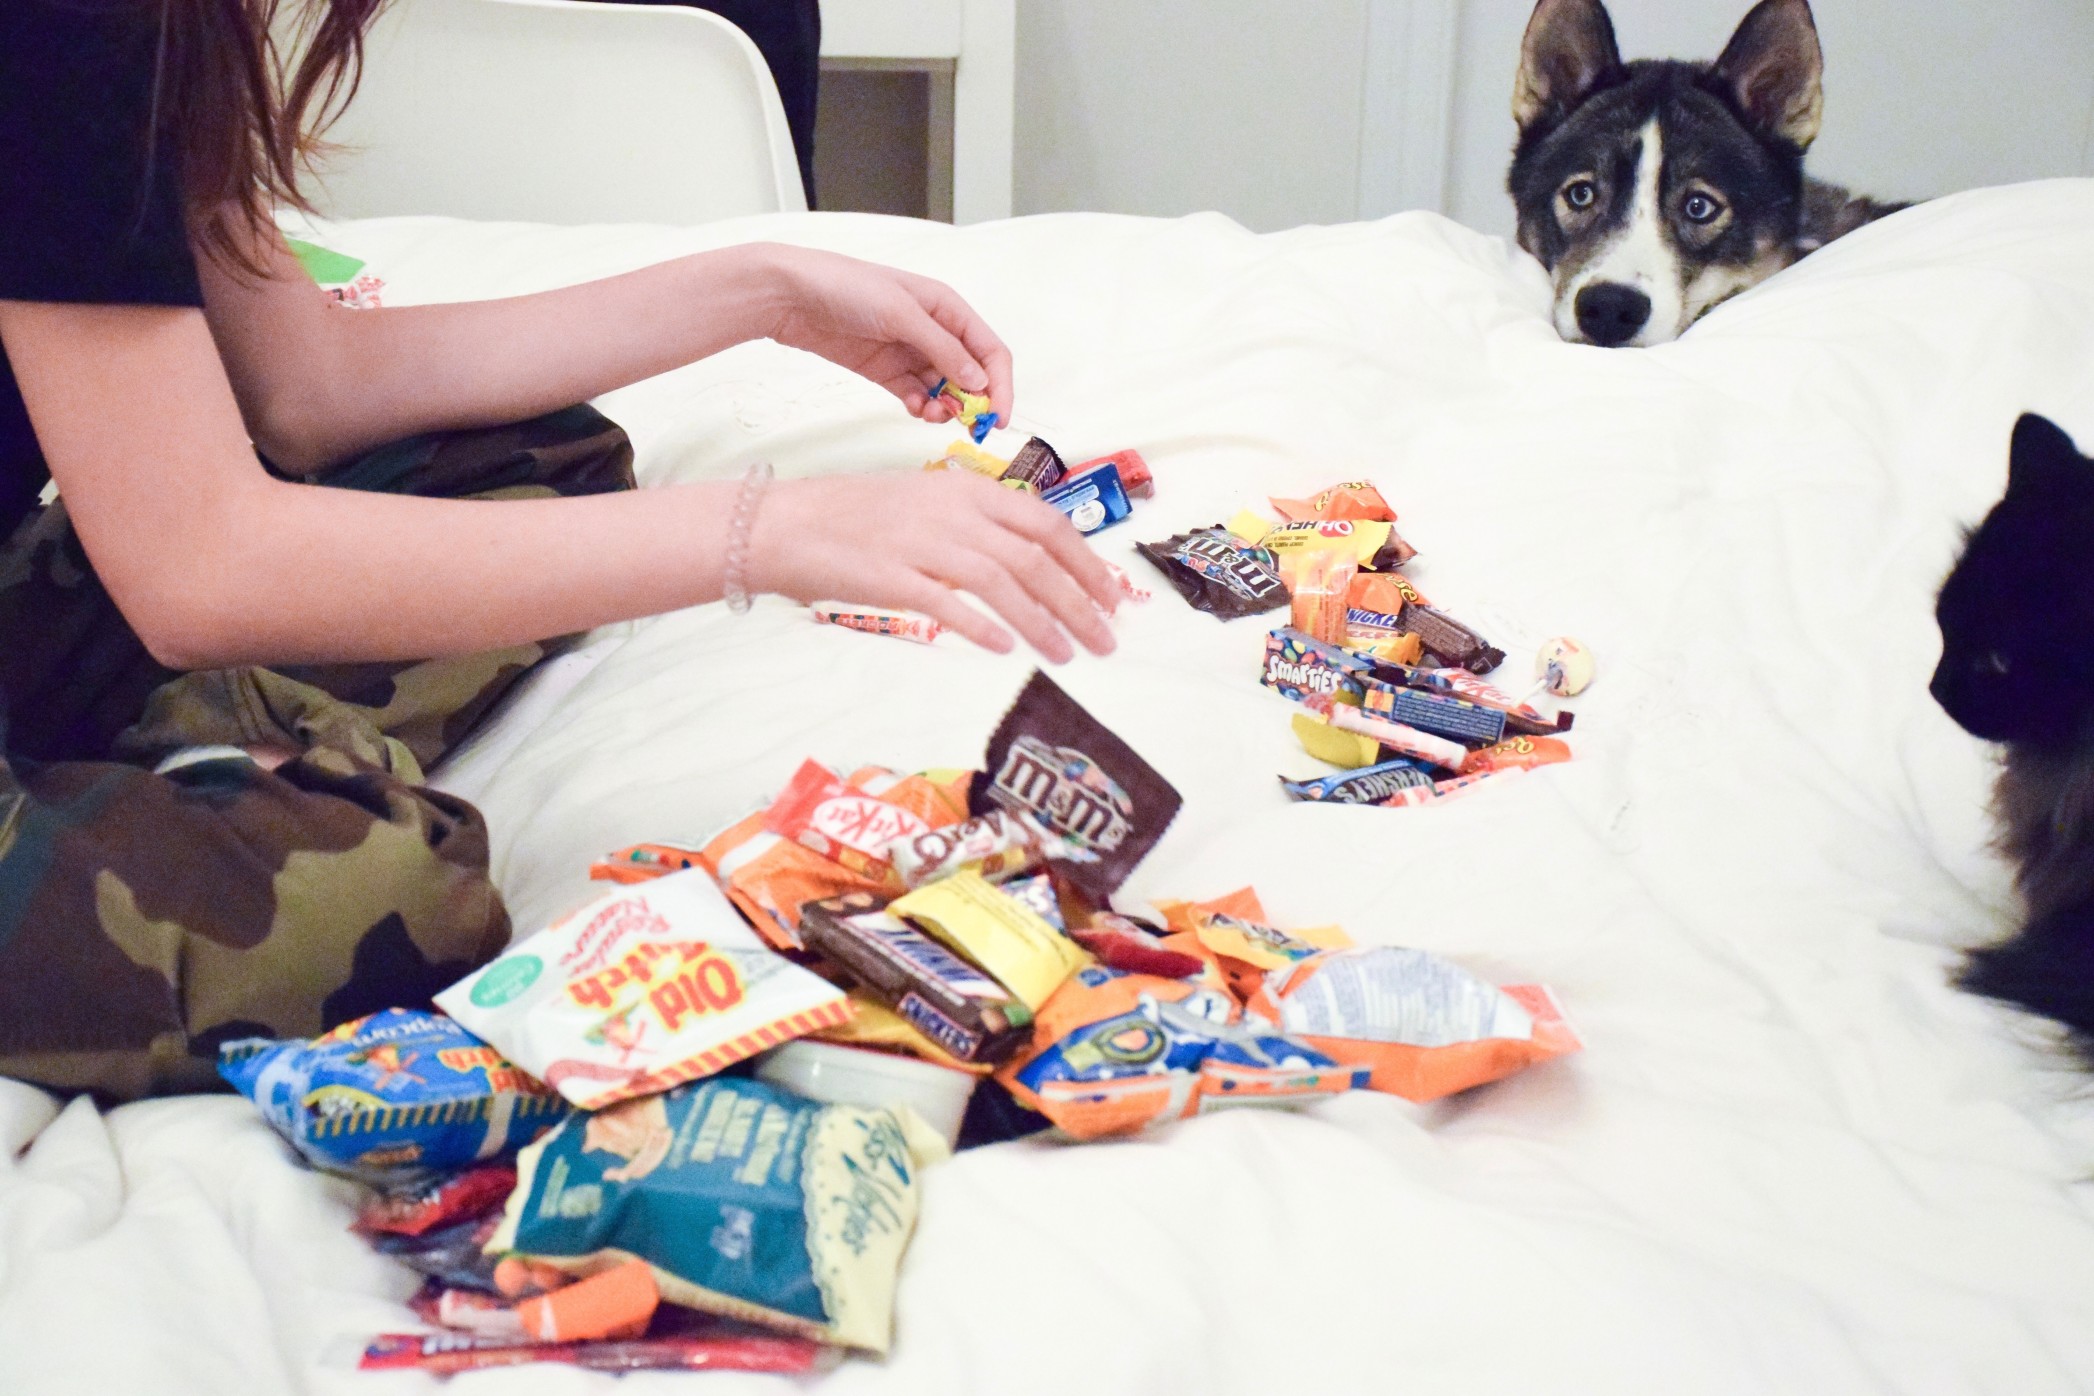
(965, 455)
(1347, 750)
(1016, 946)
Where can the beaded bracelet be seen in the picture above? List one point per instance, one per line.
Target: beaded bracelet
(734, 582)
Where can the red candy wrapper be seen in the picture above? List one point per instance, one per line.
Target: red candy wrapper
(462, 1197)
(448, 1353)
(644, 862)
(845, 825)
(902, 625)
(1135, 477)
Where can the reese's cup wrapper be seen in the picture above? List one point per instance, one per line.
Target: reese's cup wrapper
(1422, 1026)
(1052, 760)
(395, 1099)
(1351, 499)
(639, 991)
(1219, 573)
(745, 1201)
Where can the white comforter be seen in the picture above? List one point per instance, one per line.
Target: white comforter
(1790, 1160)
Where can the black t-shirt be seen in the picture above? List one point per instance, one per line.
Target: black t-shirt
(90, 210)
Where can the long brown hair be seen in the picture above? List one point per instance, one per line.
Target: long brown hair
(242, 119)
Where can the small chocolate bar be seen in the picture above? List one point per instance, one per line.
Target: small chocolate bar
(1298, 664)
(1369, 785)
(1452, 641)
(1036, 468)
(1441, 714)
(948, 1000)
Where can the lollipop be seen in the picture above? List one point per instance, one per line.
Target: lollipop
(1564, 667)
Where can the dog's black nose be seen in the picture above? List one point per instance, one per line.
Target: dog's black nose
(1610, 313)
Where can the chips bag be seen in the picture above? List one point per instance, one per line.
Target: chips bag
(1423, 1027)
(747, 1201)
(650, 986)
(1113, 1053)
(394, 1099)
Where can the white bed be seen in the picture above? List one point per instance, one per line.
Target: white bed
(1790, 1159)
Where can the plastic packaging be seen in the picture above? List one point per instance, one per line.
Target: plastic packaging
(855, 1076)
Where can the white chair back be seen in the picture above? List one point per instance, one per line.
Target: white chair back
(550, 111)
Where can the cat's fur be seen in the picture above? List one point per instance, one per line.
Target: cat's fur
(2017, 667)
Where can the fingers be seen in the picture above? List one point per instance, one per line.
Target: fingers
(1050, 529)
(992, 578)
(943, 604)
(981, 344)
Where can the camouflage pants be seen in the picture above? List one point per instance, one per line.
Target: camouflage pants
(145, 918)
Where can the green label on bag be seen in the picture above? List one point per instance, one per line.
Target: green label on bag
(327, 267)
(505, 979)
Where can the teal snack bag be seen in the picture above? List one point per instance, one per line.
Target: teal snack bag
(746, 1200)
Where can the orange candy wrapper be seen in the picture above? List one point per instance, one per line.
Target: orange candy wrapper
(1517, 754)
(1354, 499)
(1320, 580)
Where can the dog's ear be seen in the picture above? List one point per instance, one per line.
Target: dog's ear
(1775, 71)
(1568, 53)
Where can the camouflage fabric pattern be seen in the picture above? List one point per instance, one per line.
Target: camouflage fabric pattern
(146, 918)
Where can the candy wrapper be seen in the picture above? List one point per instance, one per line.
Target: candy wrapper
(442, 1202)
(1441, 714)
(1036, 468)
(966, 1013)
(1352, 499)
(1368, 545)
(1219, 573)
(901, 625)
(1335, 745)
(996, 845)
(969, 456)
(1113, 1053)
(1125, 944)
(644, 862)
(1396, 736)
(1020, 949)
(844, 824)
(1319, 582)
(972, 410)
(1133, 471)
(1094, 500)
(394, 1099)
(1299, 666)
(1369, 785)
(447, 1354)
(748, 1202)
(1051, 760)
(640, 990)
(1518, 754)
(1422, 1027)
(1454, 643)
(1443, 789)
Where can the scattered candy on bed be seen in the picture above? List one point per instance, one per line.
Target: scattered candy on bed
(960, 918)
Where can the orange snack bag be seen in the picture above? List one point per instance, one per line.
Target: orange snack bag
(1421, 1026)
(1517, 754)
(1383, 593)
(769, 878)
(614, 1304)
(1319, 580)
(1354, 499)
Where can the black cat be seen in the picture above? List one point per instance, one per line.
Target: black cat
(2017, 667)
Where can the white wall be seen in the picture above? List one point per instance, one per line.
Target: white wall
(1256, 107)
(1174, 106)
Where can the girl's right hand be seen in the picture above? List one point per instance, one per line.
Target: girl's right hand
(914, 541)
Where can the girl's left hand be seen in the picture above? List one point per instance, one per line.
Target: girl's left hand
(901, 331)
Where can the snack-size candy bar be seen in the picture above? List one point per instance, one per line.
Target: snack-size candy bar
(1370, 785)
(1517, 754)
(1134, 472)
(1217, 572)
(1520, 717)
(1348, 750)
(1005, 936)
(1383, 594)
(966, 455)
(948, 1000)
(1052, 760)
(1319, 581)
(1452, 641)
(465, 1196)
(1298, 665)
(1036, 468)
(902, 625)
(1441, 714)
(1443, 789)
(1352, 499)
(845, 825)
(644, 862)
(1403, 740)
(1130, 946)
(996, 844)
(445, 1354)
(1385, 650)
(1093, 501)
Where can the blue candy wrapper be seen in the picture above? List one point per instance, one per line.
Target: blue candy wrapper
(393, 1099)
(1369, 785)
(1095, 500)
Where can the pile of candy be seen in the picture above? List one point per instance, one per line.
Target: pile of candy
(1392, 684)
(726, 1076)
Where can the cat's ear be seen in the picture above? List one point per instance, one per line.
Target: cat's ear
(1566, 55)
(2043, 459)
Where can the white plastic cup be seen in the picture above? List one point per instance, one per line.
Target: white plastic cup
(838, 1075)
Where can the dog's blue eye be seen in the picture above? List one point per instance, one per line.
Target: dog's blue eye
(1580, 193)
(1700, 208)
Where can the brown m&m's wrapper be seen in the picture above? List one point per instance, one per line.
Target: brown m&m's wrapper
(1052, 760)
(1219, 573)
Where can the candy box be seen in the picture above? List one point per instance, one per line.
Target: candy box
(637, 991)
(1133, 471)
(1441, 714)
(1297, 665)
(1093, 501)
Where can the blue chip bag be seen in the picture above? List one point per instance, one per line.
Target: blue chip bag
(1113, 1053)
(746, 1201)
(393, 1099)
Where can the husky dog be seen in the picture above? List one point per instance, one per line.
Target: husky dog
(1655, 190)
